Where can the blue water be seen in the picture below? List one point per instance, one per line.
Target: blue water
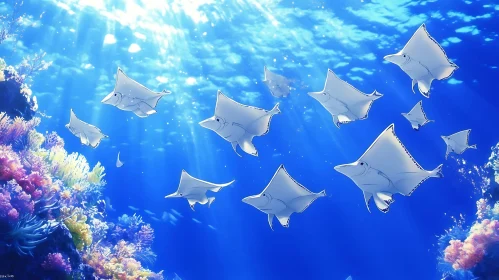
(198, 47)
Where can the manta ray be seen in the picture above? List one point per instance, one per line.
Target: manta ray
(277, 84)
(194, 190)
(118, 161)
(129, 95)
(89, 134)
(424, 60)
(344, 102)
(238, 123)
(282, 197)
(458, 142)
(417, 116)
(387, 168)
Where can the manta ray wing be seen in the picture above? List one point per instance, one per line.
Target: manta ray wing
(417, 115)
(88, 134)
(388, 155)
(425, 49)
(189, 184)
(461, 137)
(293, 194)
(133, 89)
(255, 121)
(357, 102)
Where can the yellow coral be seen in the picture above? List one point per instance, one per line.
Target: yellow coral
(35, 140)
(75, 220)
(73, 169)
(96, 175)
(65, 194)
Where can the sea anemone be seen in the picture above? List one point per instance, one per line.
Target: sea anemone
(28, 232)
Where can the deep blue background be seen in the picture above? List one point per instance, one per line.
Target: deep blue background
(336, 236)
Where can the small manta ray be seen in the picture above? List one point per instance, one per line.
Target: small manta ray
(417, 116)
(118, 161)
(386, 168)
(343, 101)
(194, 190)
(349, 278)
(238, 123)
(424, 60)
(89, 134)
(458, 142)
(282, 197)
(277, 84)
(129, 95)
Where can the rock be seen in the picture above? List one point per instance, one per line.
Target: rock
(15, 98)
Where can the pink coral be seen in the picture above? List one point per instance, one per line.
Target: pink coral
(13, 214)
(465, 255)
(55, 261)
(20, 200)
(5, 206)
(10, 165)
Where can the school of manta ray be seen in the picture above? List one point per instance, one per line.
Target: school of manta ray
(386, 167)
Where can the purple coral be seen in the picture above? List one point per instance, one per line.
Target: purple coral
(53, 140)
(14, 130)
(56, 262)
(145, 236)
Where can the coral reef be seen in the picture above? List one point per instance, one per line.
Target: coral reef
(52, 218)
(10, 24)
(56, 262)
(472, 253)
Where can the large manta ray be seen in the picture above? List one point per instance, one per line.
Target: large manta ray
(387, 168)
(345, 103)
(424, 60)
(282, 197)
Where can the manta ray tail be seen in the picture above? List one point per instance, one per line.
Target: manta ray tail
(210, 201)
(246, 144)
(424, 85)
(275, 110)
(284, 217)
(437, 172)
(376, 95)
(382, 205)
